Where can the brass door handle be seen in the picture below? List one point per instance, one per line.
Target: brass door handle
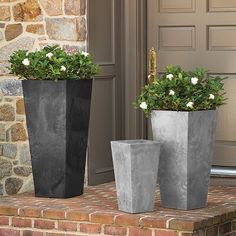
(152, 65)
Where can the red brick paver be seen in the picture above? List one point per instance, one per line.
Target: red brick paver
(96, 212)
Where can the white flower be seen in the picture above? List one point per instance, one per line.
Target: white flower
(170, 76)
(85, 53)
(211, 96)
(194, 80)
(190, 104)
(143, 105)
(63, 68)
(26, 62)
(49, 55)
(172, 92)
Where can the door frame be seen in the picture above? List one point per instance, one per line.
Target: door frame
(133, 33)
(134, 66)
(133, 48)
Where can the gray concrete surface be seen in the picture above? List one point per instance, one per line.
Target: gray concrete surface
(136, 165)
(187, 146)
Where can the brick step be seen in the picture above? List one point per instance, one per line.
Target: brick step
(96, 213)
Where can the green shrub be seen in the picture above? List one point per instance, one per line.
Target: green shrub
(179, 90)
(52, 63)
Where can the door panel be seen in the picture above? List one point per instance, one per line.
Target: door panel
(105, 119)
(221, 5)
(221, 38)
(103, 30)
(176, 6)
(103, 130)
(200, 33)
(176, 38)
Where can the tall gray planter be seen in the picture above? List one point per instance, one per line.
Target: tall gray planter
(57, 115)
(135, 165)
(187, 147)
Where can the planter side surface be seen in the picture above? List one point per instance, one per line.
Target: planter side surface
(57, 116)
(135, 165)
(187, 148)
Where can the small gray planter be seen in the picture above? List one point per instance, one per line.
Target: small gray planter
(135, 165)
(187, 146)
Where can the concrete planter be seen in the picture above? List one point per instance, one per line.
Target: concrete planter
(187, 146)
(135, 165)
(57, 116)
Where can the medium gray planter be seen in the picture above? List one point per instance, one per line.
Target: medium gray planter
(135, 165)
(187, 146)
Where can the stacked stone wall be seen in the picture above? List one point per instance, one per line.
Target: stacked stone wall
(15, 163)
(29, 25)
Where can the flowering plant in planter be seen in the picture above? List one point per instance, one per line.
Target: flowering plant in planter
(183, 112)
(52, 63)
(57, 90)
(180, 90)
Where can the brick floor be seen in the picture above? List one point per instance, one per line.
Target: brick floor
(95, 213)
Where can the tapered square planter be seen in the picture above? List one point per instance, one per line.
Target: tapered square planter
(185, 162)
(135, 165)
(57, 115)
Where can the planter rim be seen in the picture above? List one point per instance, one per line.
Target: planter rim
(56, 81)
(184, 111)
(132, 142)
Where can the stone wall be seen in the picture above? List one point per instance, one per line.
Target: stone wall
(29, 25)
(15, 164)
